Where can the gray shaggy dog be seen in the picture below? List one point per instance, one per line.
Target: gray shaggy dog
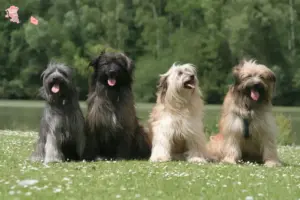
(112, 127)
(61, 135)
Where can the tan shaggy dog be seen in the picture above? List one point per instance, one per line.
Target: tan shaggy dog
(175, 124)
(247, 125)
(214, 146)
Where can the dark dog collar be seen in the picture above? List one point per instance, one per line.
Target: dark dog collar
(246, 128)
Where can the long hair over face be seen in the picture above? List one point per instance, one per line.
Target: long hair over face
(254, 83)
(112, 70)
(58, 83)
(177, 86)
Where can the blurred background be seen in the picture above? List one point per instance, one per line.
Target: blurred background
(212, 34)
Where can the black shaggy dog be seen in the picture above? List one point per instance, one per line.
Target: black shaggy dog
(113, 130)
(61, 135)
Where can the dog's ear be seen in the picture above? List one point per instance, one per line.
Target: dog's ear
(46, 71)
(163, 86)
(43, 94)
(271, 76)
(236, 73)
(95, 61)
(129, 63)
(42, 75)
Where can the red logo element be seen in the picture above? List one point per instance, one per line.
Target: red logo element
(34, 20)
(12, 13)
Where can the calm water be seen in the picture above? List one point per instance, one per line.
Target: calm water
(25, 115)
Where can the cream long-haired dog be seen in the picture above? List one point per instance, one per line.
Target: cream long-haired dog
(175, 124)
(247, 126)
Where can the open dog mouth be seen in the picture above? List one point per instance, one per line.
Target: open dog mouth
(112, 78)
(55, 88)
(111, 82)
(190, 84)
(254, 94)
(256, 91)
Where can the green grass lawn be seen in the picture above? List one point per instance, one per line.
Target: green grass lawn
(140, 179)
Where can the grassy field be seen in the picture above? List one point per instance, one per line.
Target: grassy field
(20, 179)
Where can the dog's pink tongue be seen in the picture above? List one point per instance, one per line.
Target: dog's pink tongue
(55, 88)
(254, 95)
(111, 82)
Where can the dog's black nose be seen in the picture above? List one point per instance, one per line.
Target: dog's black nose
(55, 79)
(112, 72)
(192, 77)
(257, 86)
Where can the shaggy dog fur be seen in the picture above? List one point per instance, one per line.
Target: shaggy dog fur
(214, 146)
(247, 123)
(176, 127)
(112, 127)
(61, 135)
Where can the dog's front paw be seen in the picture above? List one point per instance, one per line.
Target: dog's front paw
(229, 160)
(272, 163)
(35, 158)
(197, 160)
(213, 159)
(120, 159)
(160, 158)
(52, 160)
(99, 158)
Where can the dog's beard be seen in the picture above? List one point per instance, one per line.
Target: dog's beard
(55, 88)
(179, 95)
(57, 84)
(57, 91)
(185, 84)
(254, 93)
(189, 84)
(111, 80)
(58, 88)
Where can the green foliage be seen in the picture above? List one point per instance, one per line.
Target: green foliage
(213, 35)
(286, 136)
(147, 76)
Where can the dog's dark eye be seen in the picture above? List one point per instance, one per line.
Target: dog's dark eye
(46, 76)
(64, 74)
(261, 76)
(180, 73)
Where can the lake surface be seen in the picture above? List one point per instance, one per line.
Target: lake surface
(25, 115)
